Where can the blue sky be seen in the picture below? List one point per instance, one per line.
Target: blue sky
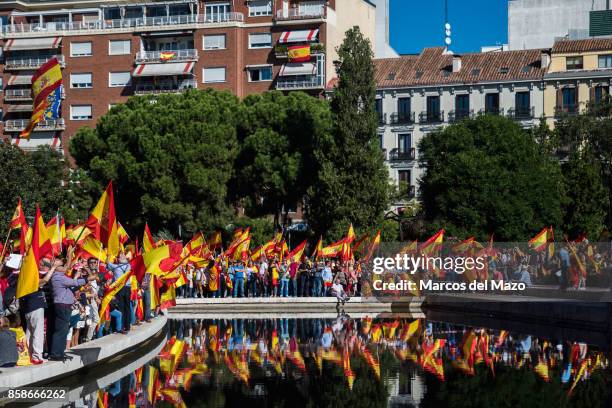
(415, 24)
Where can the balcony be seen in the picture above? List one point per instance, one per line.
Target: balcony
(30, 63)
(521, 113)
(298, 13)
(17, 125)
(291, 83)
(18, 95)
(18, 30)
(431, 117)
(166, 56)
(402, 155)
(566, 110)
(402, 118)
(491, 111)
(457, 115)
(144, 88)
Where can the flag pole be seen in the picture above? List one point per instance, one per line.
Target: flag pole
(6, 242)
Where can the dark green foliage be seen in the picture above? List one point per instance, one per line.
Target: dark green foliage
(352, 181)
(489, 176)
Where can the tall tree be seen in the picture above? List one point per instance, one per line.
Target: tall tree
(352, 182)
(487, 175)
(170, 158)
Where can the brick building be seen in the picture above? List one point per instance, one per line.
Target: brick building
(110, 50)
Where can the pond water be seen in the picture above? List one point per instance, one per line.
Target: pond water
(350, 362)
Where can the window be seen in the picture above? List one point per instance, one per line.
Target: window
(80, 112)
(403, 178)
(522, 104)
(260, 8)
(433, 108)
(492, 103)
(568, 100)
(504, 70)
(476, 72)
(462, 106)
(80, 49)
(216, 12)
(81, 80)
(403, 110)
(214, 42)
(605, 61)
(379, 110)
(211, 75)
(119, 79)
(599, 93)
(119, 47)
(260, 74)
(573, 63)
(260, 40)
(404, 142)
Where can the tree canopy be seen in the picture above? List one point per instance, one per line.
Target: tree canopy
(488, 175)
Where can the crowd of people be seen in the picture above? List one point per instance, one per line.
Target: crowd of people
(65, 310)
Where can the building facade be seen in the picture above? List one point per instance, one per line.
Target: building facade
(538, 23)
(111, 50)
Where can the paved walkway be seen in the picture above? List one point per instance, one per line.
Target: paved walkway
(84, 355)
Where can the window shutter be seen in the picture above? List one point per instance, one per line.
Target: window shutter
(559, 98)
(592, 94)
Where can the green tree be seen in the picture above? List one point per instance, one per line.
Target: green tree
(39, 178)
(585, 210)
(170, 158)
(352, 181)
(487, 176)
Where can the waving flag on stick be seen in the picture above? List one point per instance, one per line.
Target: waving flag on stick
(46, 94)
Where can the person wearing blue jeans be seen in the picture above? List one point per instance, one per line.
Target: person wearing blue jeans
(118, 322)
(317, 283)
(239, 273)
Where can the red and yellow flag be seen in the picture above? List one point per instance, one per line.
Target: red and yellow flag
(298, 53)
(332, 250)
(433, 244)
(373, 246)
(28, 279)
(214, 240)
(148, 244)
(19, 221)
(318, 249)
(56, 230)
(296, 254)
(91, 248)
(538, 243)
(45, 82)
(113, 289)
(167, 55)
(103, 222)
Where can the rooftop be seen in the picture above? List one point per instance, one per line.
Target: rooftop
(590, 44)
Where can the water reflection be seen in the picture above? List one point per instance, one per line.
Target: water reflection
(360, 362)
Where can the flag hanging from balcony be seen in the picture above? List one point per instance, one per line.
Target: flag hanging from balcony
(167, 55)
(46, 94)
(298, 53)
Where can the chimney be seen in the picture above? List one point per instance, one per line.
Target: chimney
(545, 59)
(456, 63)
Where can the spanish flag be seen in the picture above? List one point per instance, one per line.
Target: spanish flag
(92, 248)
(28, 279)
(45, 83)
(374, 246)
(103, 221)
(79, 232)
(538, 243)
(433, 243)
(318, 249)
(56, 229)
(214, 240)
(19, 221)
(43, 241)
(296, 254)
(332, 250)
(113, 289)
(167, 55)
(298, 53)
(148, 244)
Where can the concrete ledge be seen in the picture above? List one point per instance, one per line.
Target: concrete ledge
(293, 305)
(83, 356)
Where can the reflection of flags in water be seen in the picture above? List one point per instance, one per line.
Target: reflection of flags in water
(46, 94)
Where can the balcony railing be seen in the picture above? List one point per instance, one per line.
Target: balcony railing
(288, 83)
(431, 117)
(96, 25)
(301, 14)
(151, 88)
(491, 111)
(457, 115)
(566, 110)
(17, 125)
(521, 113)
(402, 118)
(402, 155)
(17, 94)
(174, 55)
(30, 63)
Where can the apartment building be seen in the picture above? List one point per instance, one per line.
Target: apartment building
(110, 50)
(579, 73)
(418, 94)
